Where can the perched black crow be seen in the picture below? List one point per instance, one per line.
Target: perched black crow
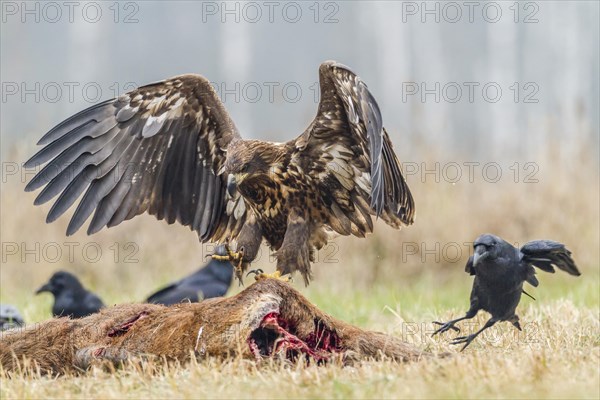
(500, 270)
(10, 317)
(70, 297)
(213, 280)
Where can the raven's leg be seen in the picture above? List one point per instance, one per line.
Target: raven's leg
(450, 324)
(515, 321)
(468, 339)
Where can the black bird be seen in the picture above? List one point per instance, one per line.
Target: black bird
(10, 317)
(70, 297)
(500, 270)
(213, 280)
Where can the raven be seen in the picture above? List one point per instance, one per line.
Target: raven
(10, 317)
(500, 270)
(213, 280)
(70, 297)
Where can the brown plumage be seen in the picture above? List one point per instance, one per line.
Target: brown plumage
(170, 149)
(268, 319)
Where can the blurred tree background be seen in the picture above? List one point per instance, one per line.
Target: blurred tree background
(466, 91)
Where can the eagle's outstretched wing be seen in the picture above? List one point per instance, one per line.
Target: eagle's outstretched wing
(348, 153)
(156, 149)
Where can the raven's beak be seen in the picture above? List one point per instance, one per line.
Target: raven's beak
(45, 288)
(478, 254)
(475, 259)
(231, 185)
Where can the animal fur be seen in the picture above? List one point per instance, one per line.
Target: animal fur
(238, 326)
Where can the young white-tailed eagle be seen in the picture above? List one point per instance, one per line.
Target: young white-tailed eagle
(171, 149)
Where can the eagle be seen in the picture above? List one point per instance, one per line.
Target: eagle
(171, 150)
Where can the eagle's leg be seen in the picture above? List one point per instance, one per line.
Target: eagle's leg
(248, 245)
(294, 253)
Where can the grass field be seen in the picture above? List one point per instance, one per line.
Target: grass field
(556, 356)
(396, 282)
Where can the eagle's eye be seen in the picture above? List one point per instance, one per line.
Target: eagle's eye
(244, 168)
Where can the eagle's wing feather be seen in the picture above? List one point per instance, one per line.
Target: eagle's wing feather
(348, 153)
(157, 149)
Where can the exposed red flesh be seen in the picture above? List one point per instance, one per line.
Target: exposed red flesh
(124, 327)
(319, 345)
(98, 352)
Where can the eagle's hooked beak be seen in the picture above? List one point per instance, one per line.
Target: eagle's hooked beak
(231, 185)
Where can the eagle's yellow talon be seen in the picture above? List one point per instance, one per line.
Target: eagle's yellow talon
(275, 275)
(221, 258)
(233, 256)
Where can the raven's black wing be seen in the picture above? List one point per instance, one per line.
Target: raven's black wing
(174, 294)
(547, 254)
(93, 303)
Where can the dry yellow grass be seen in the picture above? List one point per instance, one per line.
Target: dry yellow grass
(392, 282)
(557, 359)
